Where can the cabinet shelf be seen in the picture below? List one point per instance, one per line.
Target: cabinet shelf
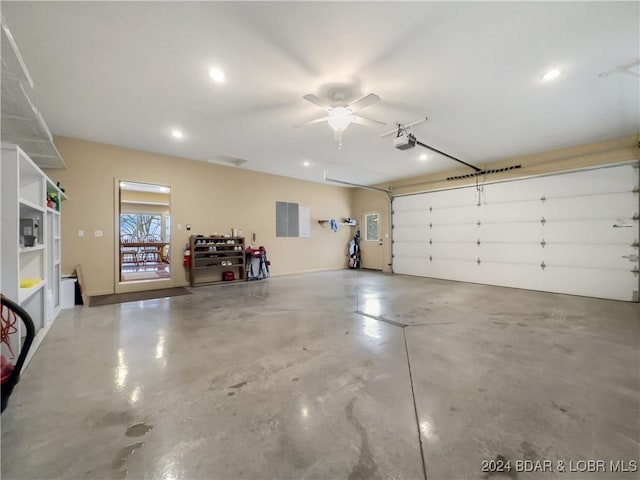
(25, 293)
(31, 249)
(31, 205)
(346, 224)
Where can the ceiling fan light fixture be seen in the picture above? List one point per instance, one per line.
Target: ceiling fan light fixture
(340, 118)
(216, 75)
(551, 74)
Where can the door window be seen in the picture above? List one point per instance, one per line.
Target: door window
(371, 227)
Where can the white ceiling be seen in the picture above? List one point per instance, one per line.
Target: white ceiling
(129, 73)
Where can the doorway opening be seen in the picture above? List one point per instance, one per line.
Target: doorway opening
(144, 232)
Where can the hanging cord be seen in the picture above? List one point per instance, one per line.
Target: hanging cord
(482, 199)
(478, 192)
(8, 320)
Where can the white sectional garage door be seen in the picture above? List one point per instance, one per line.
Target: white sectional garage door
(574, 233)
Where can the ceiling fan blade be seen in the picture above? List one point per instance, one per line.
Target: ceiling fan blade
(367, 121)
(364, 102)
(311, 122)
(316, 101)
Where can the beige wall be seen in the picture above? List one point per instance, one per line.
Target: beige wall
(211, 198)
(214, 198)
(601, 153)
(128, 205)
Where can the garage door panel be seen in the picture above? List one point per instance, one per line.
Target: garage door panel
(607, 206)
(454, 250)
(410, 249)
(461, 197)
(592, 231)
(410, 202)
(412, 217)
(459, 270)
(411, 266)
(514, 275)
(457, 214)
(511, 212)
(408, 234)
(583, 252)
(590, 256)
(511, 253)
(453, 233)
(612, 284)
(524, 232)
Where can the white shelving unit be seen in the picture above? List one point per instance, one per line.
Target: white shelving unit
(27, 146)
(24, 191)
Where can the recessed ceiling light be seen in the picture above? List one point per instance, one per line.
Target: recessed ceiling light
(217, 75)
(306, 163)
(423, 157)
(551, 74)
(177, 134)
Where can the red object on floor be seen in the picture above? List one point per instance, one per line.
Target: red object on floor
(6, 369)
(8, 320)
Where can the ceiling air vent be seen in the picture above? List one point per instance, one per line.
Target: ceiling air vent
(224, 159)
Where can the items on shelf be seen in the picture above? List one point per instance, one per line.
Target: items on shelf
(53, 201)
(349, 222)
(29, 282)
(206, 256)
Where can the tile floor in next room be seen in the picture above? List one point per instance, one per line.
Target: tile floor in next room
(317, 376)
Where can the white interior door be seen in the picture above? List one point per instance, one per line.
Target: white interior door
(371, 241)
(574, 233)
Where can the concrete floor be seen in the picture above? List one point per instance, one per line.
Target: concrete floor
(307, 376)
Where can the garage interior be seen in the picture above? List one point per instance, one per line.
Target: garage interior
(453, 275)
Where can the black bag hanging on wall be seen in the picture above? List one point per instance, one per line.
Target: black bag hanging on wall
(354, 251)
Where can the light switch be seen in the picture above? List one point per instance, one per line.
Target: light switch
(81, 233)
(188, 226)
(179, 226)
(98, 233)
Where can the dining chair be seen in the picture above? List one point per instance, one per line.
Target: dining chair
(129, 252)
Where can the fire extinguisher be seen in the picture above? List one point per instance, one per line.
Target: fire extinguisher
(186, 261)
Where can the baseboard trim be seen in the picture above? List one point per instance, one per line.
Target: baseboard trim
(314, 270)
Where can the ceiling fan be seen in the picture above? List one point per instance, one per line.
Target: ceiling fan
(340, 115)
